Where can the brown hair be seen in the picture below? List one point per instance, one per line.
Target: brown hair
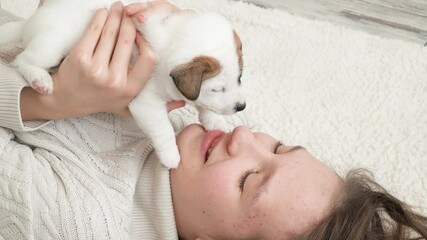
(366, 211)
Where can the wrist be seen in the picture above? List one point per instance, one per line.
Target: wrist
(33, 106)
(58, 105)
(36, 106)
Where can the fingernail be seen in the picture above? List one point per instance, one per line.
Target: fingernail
(118, 4)
(140, 18)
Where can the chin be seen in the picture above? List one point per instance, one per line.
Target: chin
(190, 136)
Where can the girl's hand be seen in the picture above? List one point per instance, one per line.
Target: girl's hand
(95, 76)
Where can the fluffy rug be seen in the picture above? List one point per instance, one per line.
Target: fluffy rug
(351, 98)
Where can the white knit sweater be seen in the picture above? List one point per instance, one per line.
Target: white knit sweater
(79, 178)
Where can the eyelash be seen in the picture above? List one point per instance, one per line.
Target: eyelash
(243, 179)
(249, 172)
(278, 144)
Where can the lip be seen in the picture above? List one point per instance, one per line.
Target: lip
(210, 140)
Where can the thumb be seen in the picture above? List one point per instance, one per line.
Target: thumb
(174, 105)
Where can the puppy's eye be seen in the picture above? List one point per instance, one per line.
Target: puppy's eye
(217, 90)
(239, 80)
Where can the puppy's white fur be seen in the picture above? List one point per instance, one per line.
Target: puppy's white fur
(177, 39)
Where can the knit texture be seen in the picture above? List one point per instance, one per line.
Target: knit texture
(73, 179)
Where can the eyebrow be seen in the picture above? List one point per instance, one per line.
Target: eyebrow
(295, 148)
(260, 189)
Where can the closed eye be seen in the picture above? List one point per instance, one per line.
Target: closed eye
(222, 89)
(243, 179)
(246, 174)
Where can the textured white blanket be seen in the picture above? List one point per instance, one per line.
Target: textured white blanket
(352, 99)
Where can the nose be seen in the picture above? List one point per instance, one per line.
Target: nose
(239, 138)
(240, 106)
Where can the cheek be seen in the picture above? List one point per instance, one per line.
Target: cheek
(219, 201)
(251, 222)
(218, 183)
(217, 191)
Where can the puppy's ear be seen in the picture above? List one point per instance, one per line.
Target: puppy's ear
(239, 50)
(188, 77)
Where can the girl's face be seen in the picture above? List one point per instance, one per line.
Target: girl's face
(233, 186)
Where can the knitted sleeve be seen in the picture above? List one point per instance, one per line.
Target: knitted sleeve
(11, 84)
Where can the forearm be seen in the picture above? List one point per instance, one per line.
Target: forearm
(34, 106)
(11, 84)
(19, 103)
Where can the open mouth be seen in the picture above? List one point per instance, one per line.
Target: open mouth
(211, 139)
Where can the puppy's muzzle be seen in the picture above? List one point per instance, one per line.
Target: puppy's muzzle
(240, 106)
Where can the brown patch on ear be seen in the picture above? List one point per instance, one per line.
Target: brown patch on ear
(239, 49)
(188, 77)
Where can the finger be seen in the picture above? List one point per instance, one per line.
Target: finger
(92, 34)
(154, 7)
(108, 39)
(175, 104)
(124, 45)
(135, 8)
(143, 67)
(141, 42)
(125, 112)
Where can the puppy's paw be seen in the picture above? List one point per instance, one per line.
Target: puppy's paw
(38, 78)
(169, 158)
(215, 122)
(40, 86)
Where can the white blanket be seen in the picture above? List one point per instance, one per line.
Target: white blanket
(351, 98)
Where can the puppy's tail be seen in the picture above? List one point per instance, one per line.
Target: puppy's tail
(11, 31)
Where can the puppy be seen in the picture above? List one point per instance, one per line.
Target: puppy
(199, 61)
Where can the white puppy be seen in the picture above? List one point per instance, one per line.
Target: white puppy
(199, 61)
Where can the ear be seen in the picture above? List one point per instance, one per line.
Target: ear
(188, 77)
(239, 49)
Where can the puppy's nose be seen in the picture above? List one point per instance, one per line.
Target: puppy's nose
(240, 106)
